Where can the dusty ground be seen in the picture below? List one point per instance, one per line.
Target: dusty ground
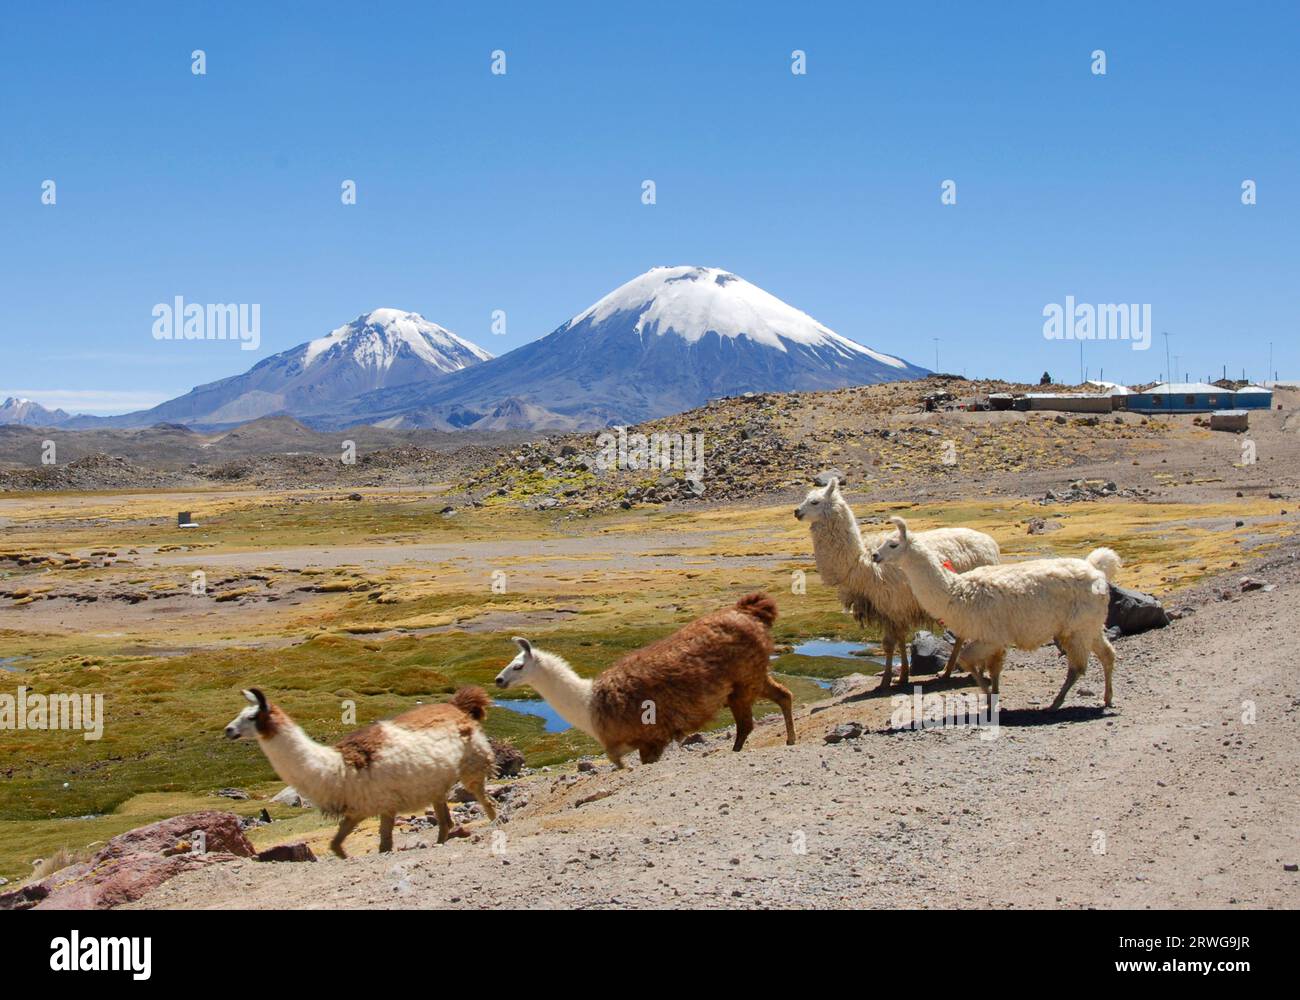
(1168, 800)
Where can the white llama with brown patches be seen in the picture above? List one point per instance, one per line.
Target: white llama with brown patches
(1025, 605)
(876, 594)
(395, 766)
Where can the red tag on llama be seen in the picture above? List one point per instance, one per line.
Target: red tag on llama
(947, 564)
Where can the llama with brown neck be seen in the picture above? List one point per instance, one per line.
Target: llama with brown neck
(396, 766)
(668, 690)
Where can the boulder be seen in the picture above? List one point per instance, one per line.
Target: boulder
(287, 852)
(824, 478)
(1133, 612)
(221, 834)
(846, 685)
(23, 898)
(929, 653)
(101, 885)
(844, 731)
(133, 863)
(290, 796)
(508, 759)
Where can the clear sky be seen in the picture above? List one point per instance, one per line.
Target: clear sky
(522, 192)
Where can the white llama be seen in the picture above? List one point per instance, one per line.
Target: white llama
(1024, 605)
(395, 766)
(879, 595)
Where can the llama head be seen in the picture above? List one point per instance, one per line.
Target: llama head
(892, 548)
(818, 503)
(245, 723)
(521, 668)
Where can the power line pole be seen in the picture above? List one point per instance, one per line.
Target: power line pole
(1167, 366)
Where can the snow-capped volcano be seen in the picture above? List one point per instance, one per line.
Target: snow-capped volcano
(692, 302)
(379, 339)
(29, 413)
(666, 341)
(379, 349)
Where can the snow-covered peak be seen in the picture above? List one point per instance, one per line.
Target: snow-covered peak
(375, 339)
(692, 301)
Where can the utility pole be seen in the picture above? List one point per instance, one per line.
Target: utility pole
(1167, 367)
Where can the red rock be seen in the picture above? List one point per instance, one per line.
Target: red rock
(133, 863)
(23, 899)
(119, 880)
(221, 833)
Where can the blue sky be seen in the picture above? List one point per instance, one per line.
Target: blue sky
(522, 192)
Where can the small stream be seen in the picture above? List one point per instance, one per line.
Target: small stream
(552, 722)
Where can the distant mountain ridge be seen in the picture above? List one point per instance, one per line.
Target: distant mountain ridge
(381, 348)
(29, 413)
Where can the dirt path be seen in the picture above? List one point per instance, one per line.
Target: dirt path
(1169, 800)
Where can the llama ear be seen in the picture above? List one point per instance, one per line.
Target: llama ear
(524, 645)
(901, 525)
(255, 696)
(833, 486)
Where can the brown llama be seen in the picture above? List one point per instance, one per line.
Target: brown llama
(670, 689)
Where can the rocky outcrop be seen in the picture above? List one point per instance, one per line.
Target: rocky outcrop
(133, 863)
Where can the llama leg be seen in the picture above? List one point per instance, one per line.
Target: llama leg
(1106, 653)
(615, 754)
(781, 695)
(744, 712)
(386, 833)
(346, 826)
(994, 669)
(957, 644)
(888, 644)
(904, 668)
(650, 753)
(444, 819)
(1078, 660)
(975, 671)
(474, 783)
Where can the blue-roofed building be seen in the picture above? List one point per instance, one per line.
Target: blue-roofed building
(1182, 397)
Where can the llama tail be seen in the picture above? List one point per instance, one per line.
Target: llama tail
(1106, 560)
(473, 701)
(758, 606)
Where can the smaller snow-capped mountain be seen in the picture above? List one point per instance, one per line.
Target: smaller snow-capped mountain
(385, 338)
(29, 413)
(377, 350)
